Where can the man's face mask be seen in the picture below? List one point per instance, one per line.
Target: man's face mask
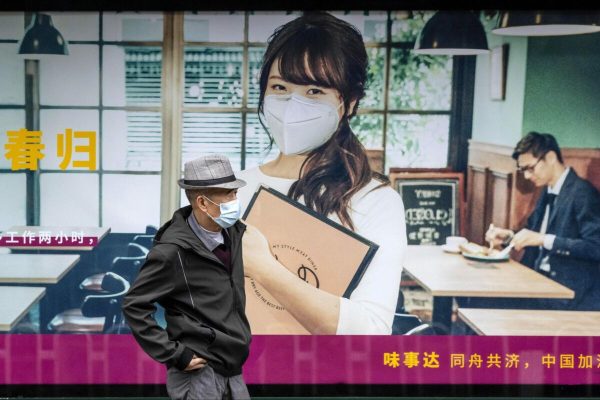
(230, 213)
(299, 124)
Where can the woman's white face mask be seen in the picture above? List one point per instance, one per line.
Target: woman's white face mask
(299, 124)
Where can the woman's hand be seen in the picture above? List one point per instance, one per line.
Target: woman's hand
(256, 251)
(315, 309)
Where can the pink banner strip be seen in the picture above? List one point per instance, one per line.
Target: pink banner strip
(35, 241)
(117, 359)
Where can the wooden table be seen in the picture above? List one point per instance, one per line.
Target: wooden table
(88, 231)
(531, 322)
(446, 275)
(15, 302)
(63, 294)
(35, 268)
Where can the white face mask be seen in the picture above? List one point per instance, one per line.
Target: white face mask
(230, 213)
(299, 124)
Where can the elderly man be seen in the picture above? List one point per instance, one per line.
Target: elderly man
(562, 236)
(195, 272)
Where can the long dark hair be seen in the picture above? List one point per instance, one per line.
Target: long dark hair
(334, 52)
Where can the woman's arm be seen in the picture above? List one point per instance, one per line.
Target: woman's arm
(378, 217)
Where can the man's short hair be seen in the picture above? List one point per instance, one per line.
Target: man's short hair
(192, 194)
(538, 144)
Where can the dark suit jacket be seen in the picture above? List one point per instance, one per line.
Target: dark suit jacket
(575, 256)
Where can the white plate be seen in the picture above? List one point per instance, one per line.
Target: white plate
(485, 258)
(450, 249)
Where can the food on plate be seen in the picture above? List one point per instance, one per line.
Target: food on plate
(477, 250)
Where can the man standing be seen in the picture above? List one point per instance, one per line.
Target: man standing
(195, 272)
(562, 236)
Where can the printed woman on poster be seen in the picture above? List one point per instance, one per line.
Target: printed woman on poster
(313, 77)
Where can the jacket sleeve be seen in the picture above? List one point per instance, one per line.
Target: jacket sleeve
(154, 282)
(587, 217)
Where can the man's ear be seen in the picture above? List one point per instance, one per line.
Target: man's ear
(200, 202)
(551, 157)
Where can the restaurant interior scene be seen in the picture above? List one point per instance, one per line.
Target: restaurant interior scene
(99, 112)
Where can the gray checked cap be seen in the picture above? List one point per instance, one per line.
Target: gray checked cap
(211, 171)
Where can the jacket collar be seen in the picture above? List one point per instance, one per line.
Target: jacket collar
(178, 232)
(563, 194)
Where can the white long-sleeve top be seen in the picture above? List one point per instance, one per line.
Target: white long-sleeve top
(377, 215)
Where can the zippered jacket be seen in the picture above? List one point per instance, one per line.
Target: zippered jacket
(204, 301)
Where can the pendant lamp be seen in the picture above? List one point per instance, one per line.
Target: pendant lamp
(546, 23)
(452, 33)
(42, 37)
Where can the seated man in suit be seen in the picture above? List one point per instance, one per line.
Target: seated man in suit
(562, 235)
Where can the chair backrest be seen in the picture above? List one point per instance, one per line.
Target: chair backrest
(423, 329)
(404, 322)
(136, 250)
(127, 267)
(144, 240)
(107, 305)
(151, 230)
(400, 303)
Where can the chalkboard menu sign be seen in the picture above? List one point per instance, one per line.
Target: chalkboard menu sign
(432, 204)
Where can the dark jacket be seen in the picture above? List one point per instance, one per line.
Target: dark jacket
(575, 256)
(204, 302)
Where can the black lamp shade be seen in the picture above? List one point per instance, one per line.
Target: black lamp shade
(547, 23)
(42, 37)
(452, 33)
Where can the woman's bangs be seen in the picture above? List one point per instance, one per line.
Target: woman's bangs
(304, 63)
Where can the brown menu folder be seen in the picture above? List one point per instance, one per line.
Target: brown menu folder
(317, 250)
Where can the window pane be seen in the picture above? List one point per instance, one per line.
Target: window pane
(69, 199)
(369, 130)
(257, 143)
(406, 25)
(131, 141)
(130, 202)
(375, 80)
(12, 75)
(206, 133)
(420, 82)
(263, 24)
(10, 120)
(71, 80)
(213, 76)
(14, 200)
(131, 75)
(12, 25)
(255, 55)
(372, 26)
(132, 26)
(417, 141)
(53, 122)
(213, 27)
(76, 25)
